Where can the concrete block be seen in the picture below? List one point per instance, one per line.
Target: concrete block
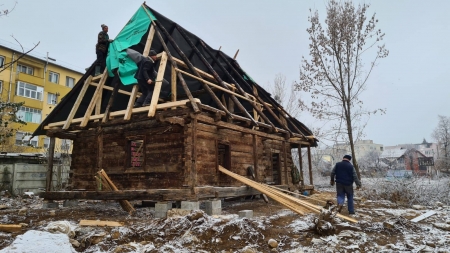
(213, 207)
(69, 203)
(246, 214)
(190, 205)
(161, 209)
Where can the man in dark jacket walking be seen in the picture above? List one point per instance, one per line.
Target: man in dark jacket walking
(145, 76)
(345, 175)
(101, 49)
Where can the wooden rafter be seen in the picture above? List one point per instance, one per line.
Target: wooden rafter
(95, 97)
(158, 83)
(77, 102)
(174, 64)
(191, 67)
(214, 73)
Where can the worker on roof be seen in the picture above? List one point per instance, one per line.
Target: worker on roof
(101, 49)
(344, 174)
(146, 76)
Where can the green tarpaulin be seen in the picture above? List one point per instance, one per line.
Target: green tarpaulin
(130, 35)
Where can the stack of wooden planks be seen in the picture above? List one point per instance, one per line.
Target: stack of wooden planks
(291, 202)
(105, 183)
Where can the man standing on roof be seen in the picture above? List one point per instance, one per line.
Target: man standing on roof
(146, 76)
(101, 49)
(345, 176)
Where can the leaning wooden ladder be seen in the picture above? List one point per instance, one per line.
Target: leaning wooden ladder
(289, 201)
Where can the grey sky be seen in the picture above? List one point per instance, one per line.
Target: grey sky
(411, 83)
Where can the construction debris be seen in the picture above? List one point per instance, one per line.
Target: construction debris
(100, 223)
(10, 228)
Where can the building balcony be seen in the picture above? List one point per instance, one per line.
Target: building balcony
(30, 79)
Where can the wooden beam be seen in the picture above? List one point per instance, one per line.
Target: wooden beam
(158, 83)
(119, 91)
(100, 223)
(180, 103)
(193, 174)
(148, 43)
(51, 152)
(80, 97)
(236, 54)
(255, 156)
(285, 162)
(95, 98)
(10, 228)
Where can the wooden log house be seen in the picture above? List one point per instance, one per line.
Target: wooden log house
(171, 150)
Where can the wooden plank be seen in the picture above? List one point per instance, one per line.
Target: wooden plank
(173, 82)
(77, 102)
(119, 91)
(300, 163)
(148, 43)
(100, 223)
(255, 158)
(10, 228)
(98, 106)
(423, 216)
(158, 84)
(117, 83)
(51, 152)
(94, 98)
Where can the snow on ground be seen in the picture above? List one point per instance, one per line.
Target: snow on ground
(39, 242)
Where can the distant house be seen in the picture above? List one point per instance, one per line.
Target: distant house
(408, 159)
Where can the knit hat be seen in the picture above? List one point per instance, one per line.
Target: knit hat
(152, 53)
(103, 26)
(349, 157)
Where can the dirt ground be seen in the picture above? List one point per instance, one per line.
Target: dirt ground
(383, 227)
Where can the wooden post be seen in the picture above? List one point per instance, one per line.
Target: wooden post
(285, 162)
(77, 102)
(193, 175)
(302, 182)
(255, 156)
(100, 148)
(158, 83)
(51, 152)
(310, 166)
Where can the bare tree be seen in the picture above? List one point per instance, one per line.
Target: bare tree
(442, 136)
(6, 65)
(288, 97)
(335, 75)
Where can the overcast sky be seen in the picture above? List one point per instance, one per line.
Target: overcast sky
(411, 83)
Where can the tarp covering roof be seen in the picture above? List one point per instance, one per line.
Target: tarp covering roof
(62, 110)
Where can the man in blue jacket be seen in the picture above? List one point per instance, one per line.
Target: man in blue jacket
(345, 175)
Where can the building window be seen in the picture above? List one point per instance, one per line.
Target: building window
(136, 153)
(65, 145)
(70, 82)
(2, 61)
(25, 69)
(53, 77)
(46, 142)
(24, 139)
(29, 91)
(29, 114)
(51, 98)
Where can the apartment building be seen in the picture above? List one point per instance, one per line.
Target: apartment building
(39, 82)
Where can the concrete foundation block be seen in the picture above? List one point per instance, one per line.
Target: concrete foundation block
(50, 205)
(190, 205)
(161, 209)
(69, 203)
(213, 207)
(246, 214)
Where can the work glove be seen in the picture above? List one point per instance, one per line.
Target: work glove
(358, 187)
(332, 182)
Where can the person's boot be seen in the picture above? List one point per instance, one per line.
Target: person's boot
(339, 208)
(97, 71)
